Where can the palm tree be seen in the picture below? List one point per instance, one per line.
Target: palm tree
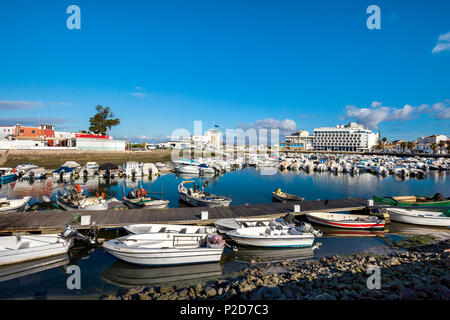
(404, 145)
(434, 147)
(411, 146)
(441, 145)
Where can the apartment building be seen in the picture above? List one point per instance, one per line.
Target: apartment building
(350, 137)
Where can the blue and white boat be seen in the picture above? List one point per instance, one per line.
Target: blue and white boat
(7, 174)
(63, 172)
(272, 237)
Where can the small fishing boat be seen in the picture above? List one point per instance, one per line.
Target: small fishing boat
(199, 198)
(7, 174)
(191, 169)
(63, 172)
(285, 197)
(346, 220)
(420, 217)
(419, 201)
(272, 237)
(13, 205)
(168, 228)
(16, 249)
(229, 224)
(108, 170)
(22, 248)
(35, 174)
(23, 168)
(76, 200)
(151, 249)
(132, 169)
(139, 199)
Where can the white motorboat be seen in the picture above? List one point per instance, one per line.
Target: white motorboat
(189, 169)
(149, 169)
(16, 249)
(154, 249)
(420, 217)
(272, 237)
(199, 198)
(229, 224)
(139, 199)
(168, 228)
(13, 205)
(23, 168)
(35, 174)
(346, 220)
(132, 169)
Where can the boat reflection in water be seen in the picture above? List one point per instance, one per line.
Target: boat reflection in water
(404, 228)
(335, 232)
(129, 275)
(257, 254)
(17, 270)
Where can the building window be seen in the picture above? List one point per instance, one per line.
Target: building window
(22, 131)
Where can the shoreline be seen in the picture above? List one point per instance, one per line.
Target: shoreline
(51, 159)
(408, 272)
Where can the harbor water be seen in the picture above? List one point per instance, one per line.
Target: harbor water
(102, 274)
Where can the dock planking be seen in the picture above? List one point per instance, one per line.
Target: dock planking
(55, 221)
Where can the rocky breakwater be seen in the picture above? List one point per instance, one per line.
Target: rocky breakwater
(408, 274)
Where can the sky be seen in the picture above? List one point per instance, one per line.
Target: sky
(161, 65)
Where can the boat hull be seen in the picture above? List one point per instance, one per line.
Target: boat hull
(36, 252)
(160, 257)
(202, 203)
(397, 216)
(347, 224)
(272, 242)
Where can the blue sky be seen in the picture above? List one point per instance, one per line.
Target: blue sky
(160, 65)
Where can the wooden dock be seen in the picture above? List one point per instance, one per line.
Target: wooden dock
(55, 221)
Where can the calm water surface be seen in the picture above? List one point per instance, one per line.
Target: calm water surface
(101, 273)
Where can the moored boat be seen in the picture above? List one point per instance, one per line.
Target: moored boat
(13, 205)
(284, 196)
(346, 220)
(199, 198)
(7, 174)
(139, 199)
(272, 237)
(168, 228)
(420, 201)
(151, 250)
(420, 217)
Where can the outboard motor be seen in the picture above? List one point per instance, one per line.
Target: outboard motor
(131, 195)
(308, 228)
(71, 232)
(438, 197)
(289, 218)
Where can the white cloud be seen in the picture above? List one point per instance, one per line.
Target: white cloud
(19, 105)
(138, 94)
(443, 43)
(376, 114)
(285, 126)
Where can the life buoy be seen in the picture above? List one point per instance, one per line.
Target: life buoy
(77, 186)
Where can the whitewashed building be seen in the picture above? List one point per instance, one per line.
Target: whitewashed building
(299, 140)
(350, 137)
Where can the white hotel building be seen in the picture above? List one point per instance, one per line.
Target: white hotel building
(350, 137)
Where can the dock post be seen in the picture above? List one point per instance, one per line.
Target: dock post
(370, 202)
(85, 220)
(204, 215)
(296, 208)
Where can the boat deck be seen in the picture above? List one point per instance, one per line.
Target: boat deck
(55, 221)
